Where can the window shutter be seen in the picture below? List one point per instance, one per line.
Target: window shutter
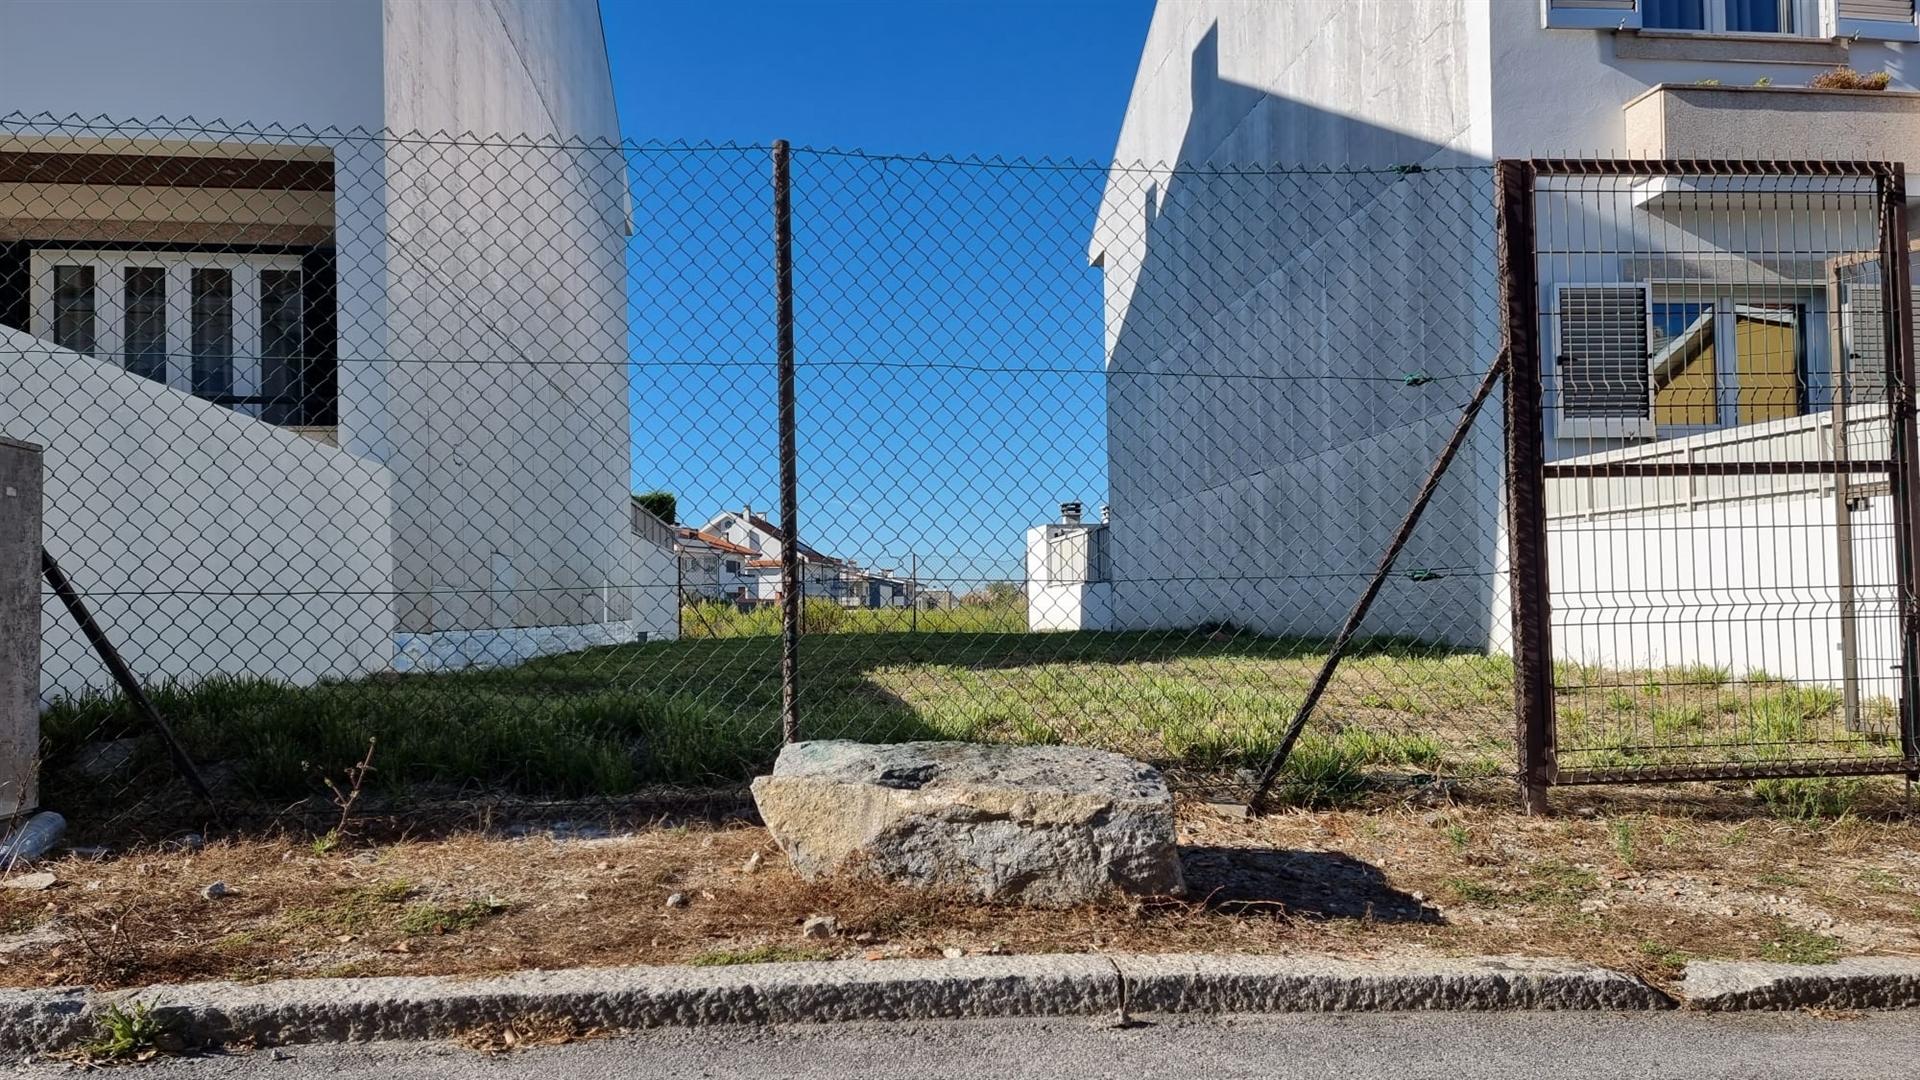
(1864, 338)
(1593, 14)
(1890, 20)
(1601, 361)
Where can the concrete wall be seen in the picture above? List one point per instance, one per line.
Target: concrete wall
(481, 286)
(1261, 442)
(1745, 585)
(1564, 91)
(20, 482)
(261, 63)
(269, 558)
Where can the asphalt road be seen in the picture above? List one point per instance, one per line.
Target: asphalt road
(1456, 1046)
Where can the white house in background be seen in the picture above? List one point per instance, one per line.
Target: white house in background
(1294, 488)
(713, 567)
(317, 405)
(821, 574)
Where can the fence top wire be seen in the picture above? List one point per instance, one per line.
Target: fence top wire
(47, 125)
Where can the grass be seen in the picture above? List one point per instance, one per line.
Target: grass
(615, 721)
(718, 620)
(1791, 944)
(758, 954)
(428, 918)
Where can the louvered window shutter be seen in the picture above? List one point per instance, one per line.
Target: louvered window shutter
(1863, 315)
(1890, 20)
(1601, 362)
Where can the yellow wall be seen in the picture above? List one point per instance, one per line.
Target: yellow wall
(1688, 400)
(1769, 373)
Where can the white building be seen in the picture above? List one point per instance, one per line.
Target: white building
(1068, 584)
(821, 574)
(1266, 331)
(713, 567)
(315, 403)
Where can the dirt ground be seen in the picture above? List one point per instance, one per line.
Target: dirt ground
(1642, 881)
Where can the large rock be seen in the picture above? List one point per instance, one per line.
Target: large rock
(1046, 825)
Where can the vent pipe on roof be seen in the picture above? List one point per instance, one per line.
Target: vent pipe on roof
(1106, 514)
(1070, 513)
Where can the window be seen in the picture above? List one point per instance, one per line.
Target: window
(733, 566)
(227, 326)
(143, 340)
(212, 333)
(1687, 362)
(73, 308)
(280, 345)
(1721, 16)
(1725, 362)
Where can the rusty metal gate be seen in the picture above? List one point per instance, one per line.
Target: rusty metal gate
(1710, 439)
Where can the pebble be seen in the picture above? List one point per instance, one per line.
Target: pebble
(820, 927)
(32, 882)
(753, 864)
(953, 952)
(215, 890)
(677, 900)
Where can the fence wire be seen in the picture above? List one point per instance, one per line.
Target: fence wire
(1729, 572)
(459, 458)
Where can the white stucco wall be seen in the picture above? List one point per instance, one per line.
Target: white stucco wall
(481, 286)
(1264, 503)
(1562, 92)
(656, 607)
(1748, 586)
(1261, 445)
(207, 542)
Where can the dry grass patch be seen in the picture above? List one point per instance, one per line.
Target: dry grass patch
(1637, 880)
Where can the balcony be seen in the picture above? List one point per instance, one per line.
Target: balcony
(1780, 122)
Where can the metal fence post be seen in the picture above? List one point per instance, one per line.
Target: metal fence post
(792, 594)
(1896, 279)
(1526, 484)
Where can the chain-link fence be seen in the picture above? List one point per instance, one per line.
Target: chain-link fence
(462, 458)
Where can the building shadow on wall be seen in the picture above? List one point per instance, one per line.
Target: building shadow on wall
(1259, 331)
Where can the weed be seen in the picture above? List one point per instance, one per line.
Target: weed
(1474, 892)
(129, 1034)
(1622, 831)
(430, 918)
(1846, 78)
(1809, 799)
(1793, 945)
(759, 954)
(353, 910)
(1459, 837)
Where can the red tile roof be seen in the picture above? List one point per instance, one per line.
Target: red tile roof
(718, 542)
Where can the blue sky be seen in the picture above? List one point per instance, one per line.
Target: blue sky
(949, 329)
(1009, 77)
